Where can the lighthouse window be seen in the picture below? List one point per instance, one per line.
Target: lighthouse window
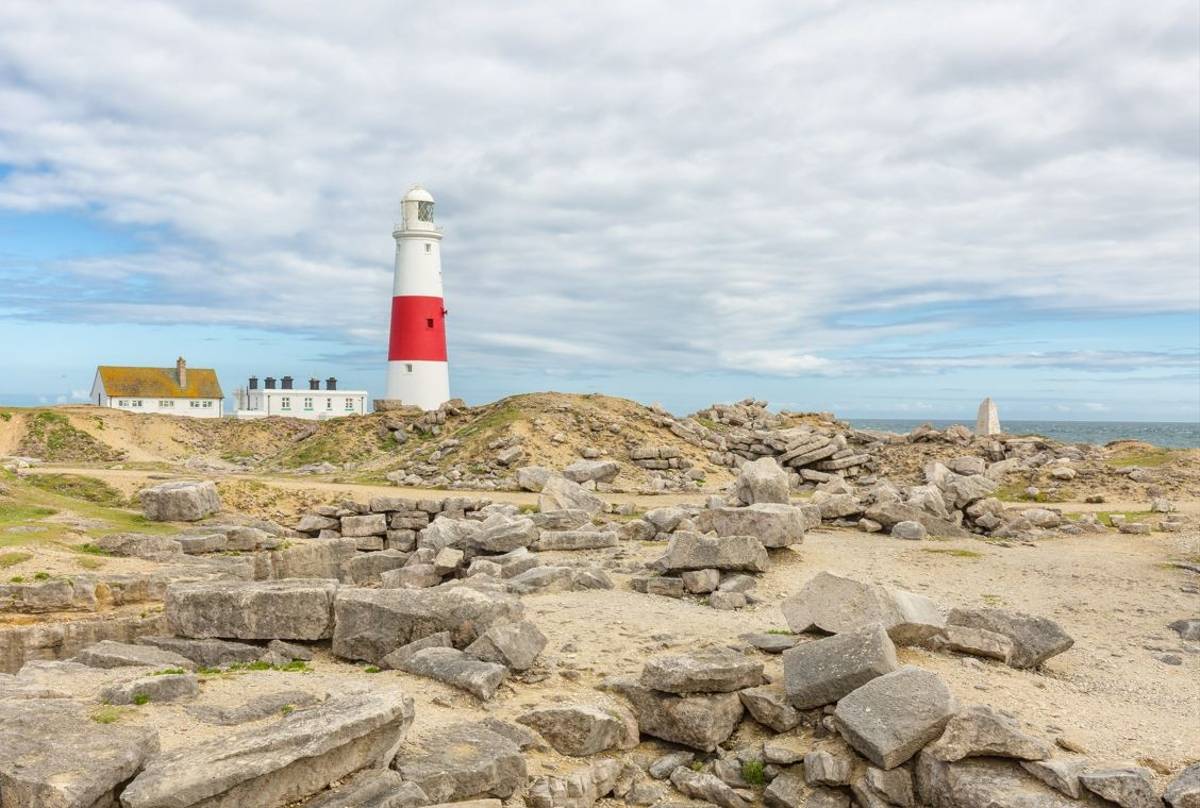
(425, 211)
(428, 248)
(408, 368)
(429, 322)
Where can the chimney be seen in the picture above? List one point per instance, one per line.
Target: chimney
(269, 382)
(286, 383)
(314, 384)
(253, 382)
(181, 371)
(331, 383)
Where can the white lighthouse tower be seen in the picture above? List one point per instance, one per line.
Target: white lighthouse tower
(417, 370)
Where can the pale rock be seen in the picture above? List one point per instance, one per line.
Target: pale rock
(691, 551)
(978, 731)
(453, 667)
(762, 480)
(293, 609)
(515, 645)
(558, 493)
(185, 501)
(461, 762)
(1034, 639)
(581, 730)
(823, 671)
(715, 671)
(889, 719)
(702, 722)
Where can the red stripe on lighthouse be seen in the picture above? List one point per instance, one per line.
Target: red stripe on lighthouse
(418, 329)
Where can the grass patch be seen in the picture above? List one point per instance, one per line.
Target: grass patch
(168, 672)
(527, 509)
(1145, 458)
(5, 416)
(782, 631)
(90, 549)
(1105, 517)
(490, 422)
(41, 576)
(752, 773)
(88, 489)
(952, 551)
(696, 765)
(89, 563)
(371, 669)
(295, 666)
(50, 436)
(1015, 492)
(17, 579)
(108, 715)
(707, 423)
(287, 709)
(990, 599)
(140, 699)
(13, 559)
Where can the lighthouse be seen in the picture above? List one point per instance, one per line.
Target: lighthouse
(417, 370)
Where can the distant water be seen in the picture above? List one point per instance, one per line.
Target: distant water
(1177, 435)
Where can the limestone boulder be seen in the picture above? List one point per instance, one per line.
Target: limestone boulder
(976, 782)
(152, 689)
(773, 524)
(110, 654)
(371, 623)
(1127, 786)
(1184, 790)
(1034, 639)
(834, 604)
(581, 730)
(770, 707)
(52, 754)
(372, 788)
(707, 788)
(532, 478)
(500, 533)
(601, 471)
(891, 513)
(889, 719)
(762, 480)
(702, 722)
(209, 653)
(463, 762)
(289, 609)
(514, 645)
(560, 494)
(691, 551)
(979, 731)
(822, 671)
(458, 669)
(715, 671)
(292, 758)
(184, 501)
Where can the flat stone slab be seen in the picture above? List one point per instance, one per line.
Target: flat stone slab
(691, 551)
(889, 719)
(581, 730)
(768, 642)
(256, 709)
(453, 667)
(461, 762)
(371, 623)
(1034, 639)
(822, 671)
(701, 722)
(291, 609)
(833, 604)
(715, 671)
(110, 654)
(986, 781)
(514, 645)
(575, 540)
(980, 731)
(769, 706)
(185, 501)
(293, 758)
(52, 754)
(152, 689)
(774, 524)
(209, 653)
(372, 788)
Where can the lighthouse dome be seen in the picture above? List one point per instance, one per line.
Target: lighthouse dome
(417, 194)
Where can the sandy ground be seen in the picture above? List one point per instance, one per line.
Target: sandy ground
(1109, 694)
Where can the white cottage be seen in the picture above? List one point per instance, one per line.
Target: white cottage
(313, 404)
(194, 392)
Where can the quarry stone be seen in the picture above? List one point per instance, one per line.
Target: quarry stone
(515, 645)
(110, 654)
(463, 762)
(453, 667)
(691, 551)
(581, 730)
(291, 609)
(823, 671)
(289, 759)
(762, 480)
(889, 719)
(701, 722)
(560, 494)
(1034, 639)
(370, 623)
(716, 671)
(186, 501)
(773, 524)
(978, 730)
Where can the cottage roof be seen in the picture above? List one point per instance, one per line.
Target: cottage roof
(159, 382)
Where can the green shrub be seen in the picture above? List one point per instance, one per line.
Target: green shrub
(140, 699)
(752, 772)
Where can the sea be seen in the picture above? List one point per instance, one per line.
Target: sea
(1171, 434)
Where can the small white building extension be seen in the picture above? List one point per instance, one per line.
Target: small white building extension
(193, 392)
(314, 403)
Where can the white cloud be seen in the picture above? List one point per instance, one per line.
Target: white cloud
(629, 186)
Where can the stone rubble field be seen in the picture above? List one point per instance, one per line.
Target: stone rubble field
(811, 634)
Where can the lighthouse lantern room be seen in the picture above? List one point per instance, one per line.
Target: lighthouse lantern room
(417, 370)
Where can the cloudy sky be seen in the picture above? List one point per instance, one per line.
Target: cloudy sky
(883, 209)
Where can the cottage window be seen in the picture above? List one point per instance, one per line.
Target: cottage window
(195, 405)
(123, 402)
(208, 404)
(164, 404)
(137, 402)
(329, 403)
(308, 403)
(349, 403)
(285, 403)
